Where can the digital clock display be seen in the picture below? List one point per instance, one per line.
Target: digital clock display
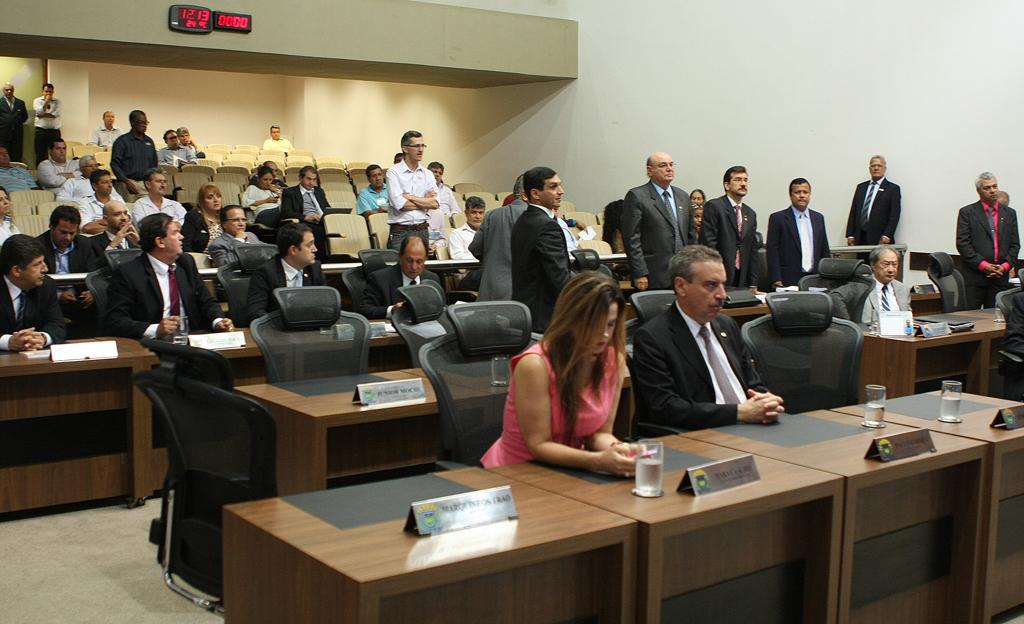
(237, 22)
(190, 18)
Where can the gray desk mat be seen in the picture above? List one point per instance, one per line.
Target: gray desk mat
(794, 430)
(674, 460)
(926, 406)
(327, 385)
(370, 503)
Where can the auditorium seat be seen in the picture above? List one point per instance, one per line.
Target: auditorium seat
(206, 170)
(598, 245)
(34, 225)
(358, 165)
(240, 168)
(586, 218)
(84, 150)
(30, 197)
(251, 149)
(219, 147)
(241, 179)
(352, 227)
(379, 229)
(467, 187)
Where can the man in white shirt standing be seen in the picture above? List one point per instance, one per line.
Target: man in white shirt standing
(57, 169)
(154, 200)
(276, 143)
(77, 186)
(48, 121)
(91, 206)
(459, 240)
(105, 135)
(413, 192)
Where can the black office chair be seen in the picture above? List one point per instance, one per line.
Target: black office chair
(835, 272)
(949, 281)
(421, 318)
(309, 337)
(97, 282)
(117, 257)
(200, 364)
(589, 260)
(650, 303)
(803, 354)
(355, 278)
(1004, 300)
(459, 368)
(234, 279)
(221, 450)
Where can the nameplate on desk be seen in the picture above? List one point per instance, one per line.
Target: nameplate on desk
(461, 511)
(78, 351)
(720, 475)
(900, 445)
(1009, 418)
(221, 340)
(378, 330)
(383, 392)
(934, 330)
(896, 323)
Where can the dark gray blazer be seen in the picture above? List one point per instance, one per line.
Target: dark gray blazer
(974, 242)
(492, 245)
(719, 232)
(647, 231)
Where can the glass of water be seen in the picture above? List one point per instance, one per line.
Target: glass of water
(874, 406)
(949, 405)
(499, 371)
(180, 335)
(998, 316)
(650, 459)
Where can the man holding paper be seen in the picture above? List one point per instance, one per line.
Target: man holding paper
(30, 317)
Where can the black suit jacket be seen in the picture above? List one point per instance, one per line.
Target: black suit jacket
(291, 202)
(719, 232)
(382, 290)
(540, 264)
(674, 382)
(974, 241)
(884, 216)
(195, 232)
(647, 230)
(41, 311)
(785, 254)
(135, 303)
(11, 120)
(82, 258)
(270, 276)
(99, 243)
(1013, 340)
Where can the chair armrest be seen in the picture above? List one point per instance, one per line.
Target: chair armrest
(1012, 357)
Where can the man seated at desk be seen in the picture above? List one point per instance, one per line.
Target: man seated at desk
(30, 317)
(691, 369)
(381, 294)
(886, 295)
(149, 295)
(294, 265)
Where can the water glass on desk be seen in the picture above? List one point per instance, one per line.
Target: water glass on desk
(180, 335)
(998, 316)
(650, 459)
(949, 404)
(499, 371)
(874, 406)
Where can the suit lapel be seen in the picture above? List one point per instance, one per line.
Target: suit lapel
(6, 305)
(791, 227)
(986, 222)
(154, 286)
(279, 275)
(659, 203)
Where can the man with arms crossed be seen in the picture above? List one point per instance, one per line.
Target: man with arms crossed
(413, 192)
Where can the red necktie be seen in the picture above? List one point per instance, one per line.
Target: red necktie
(172, 288)
(995, 232)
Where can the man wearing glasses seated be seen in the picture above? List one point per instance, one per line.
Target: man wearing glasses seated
(888, 294)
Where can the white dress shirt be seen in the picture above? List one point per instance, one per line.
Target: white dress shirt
(48, 173)
(717, 352)
(458, 243)
(50, 123)
(290, 275)
(417, 182)
(144, 207)
(280, 145)
(894, 304)
(7, 229)
(14, 291)
(105, 138)
(91, 208)
(254, 194)
(878, 187)
(806, 232)
(161, 270)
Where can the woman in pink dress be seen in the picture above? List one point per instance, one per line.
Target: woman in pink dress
(565, 389)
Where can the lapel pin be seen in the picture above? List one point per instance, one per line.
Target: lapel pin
(723, 335)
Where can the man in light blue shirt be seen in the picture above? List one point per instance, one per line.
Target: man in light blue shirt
(374, 198)
(14, 178)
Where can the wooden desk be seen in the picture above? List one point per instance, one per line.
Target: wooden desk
(911, 527)
(898, 363)
(1003, 549)
(560, 561)
(764, 545)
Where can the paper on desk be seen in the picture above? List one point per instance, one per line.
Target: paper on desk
(74, 352)
(389, 328)
(588, 234)
(895, 323)
(787, 288)
(41, 354)
(761, 297)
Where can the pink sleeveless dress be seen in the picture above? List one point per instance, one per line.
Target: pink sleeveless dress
(593, 411)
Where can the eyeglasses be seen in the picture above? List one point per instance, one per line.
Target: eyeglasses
(417, 145)
(889, 265)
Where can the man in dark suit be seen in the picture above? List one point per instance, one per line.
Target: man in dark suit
(120, 234)
(30, 318)
(540, 258)
(689, 363)
(67, 251)
(149, 295)
(306, 202)
(380, 297)
(796, 238)
(294, 265)
(730, 226)
(656, 223)
(875, 210)
(492, 246)
(13, 115)
(988, 242)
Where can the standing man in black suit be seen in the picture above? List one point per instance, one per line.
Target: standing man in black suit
(306, 201)
(540, 258)
(13, 115)
(30, 318)
(149, 295)
(67, 251)
(796, 238)
(875, 210)
(690, 365)
(988, 242)
(730, 226)
(656, 223)
(294, 265)
(380, 297)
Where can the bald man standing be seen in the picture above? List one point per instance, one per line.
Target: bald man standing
(656, 223)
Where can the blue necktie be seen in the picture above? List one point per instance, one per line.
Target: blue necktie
(866, 210)
(19, 317)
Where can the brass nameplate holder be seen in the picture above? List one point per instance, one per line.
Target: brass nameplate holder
(720, 475)
(1009, 418)
(384, 392)
(900, 445)
(461, 511)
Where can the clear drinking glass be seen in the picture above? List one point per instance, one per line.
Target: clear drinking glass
(874, 406)
(949, 404)
(180, 335)
(499, 371)
(650, 459)
(998, 316)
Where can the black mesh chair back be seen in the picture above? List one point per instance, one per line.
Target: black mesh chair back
(948, 280)
(834, 272)
(234, 278)
(459, 368)
(221, 450)
(117, 257)
(309, 337)
(803, 354)
(650, 303)
(96, 282)
(589, 260)
(355, 278)
(253, 256)
(1004, 300)
(201, 364)
(763, 283)
(421, 318)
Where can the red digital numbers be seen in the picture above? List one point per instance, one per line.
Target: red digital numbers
(191, 17)
(233, 21)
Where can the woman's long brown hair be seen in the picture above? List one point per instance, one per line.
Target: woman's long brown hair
(580, 315)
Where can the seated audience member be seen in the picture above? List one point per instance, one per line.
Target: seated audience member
(611, 226)
(399, 157)
(30, 318)
(78, 186)
(886, 294)
(67, 251)
(460, 239)
(278, 176)
(564, 390)
(690, 366)
(7, 226)
(149, 295)
(374, 198)
(381, 294)
(306, 202)
(133, 154)
(154, 202)
(185, 140)
(202, 224)
(276, 143)
(174, 153)
(120, 233)
(91, 206)
(53, 172)
(105, 135)
(264, 198)
(233, 234)
(14, 178)
(294, 265)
